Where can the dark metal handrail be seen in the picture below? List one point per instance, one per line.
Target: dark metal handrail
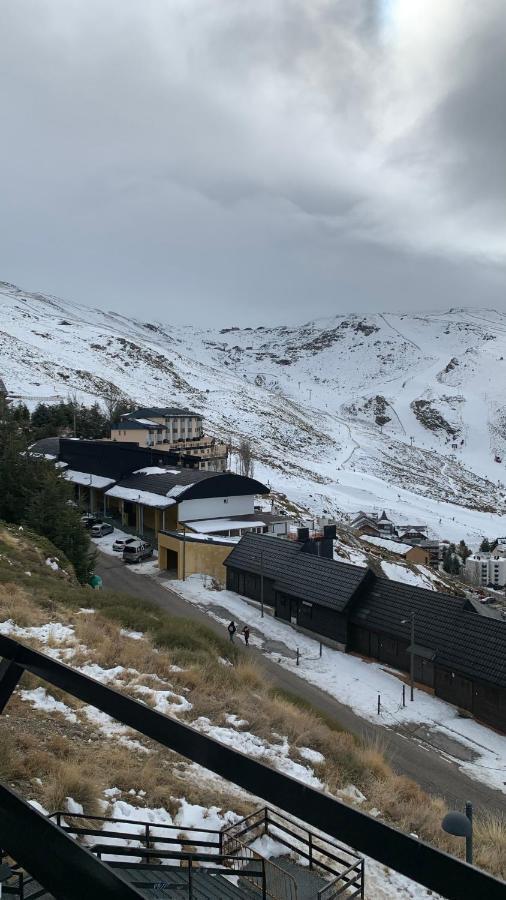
(64, 868)
(417, 860)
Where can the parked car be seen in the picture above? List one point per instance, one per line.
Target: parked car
(136, 551)
(90, 519)
(101, 529)
(120, 543)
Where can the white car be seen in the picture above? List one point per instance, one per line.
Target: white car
(120, 544)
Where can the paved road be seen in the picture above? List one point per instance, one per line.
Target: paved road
(420, 762)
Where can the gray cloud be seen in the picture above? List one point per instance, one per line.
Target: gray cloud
(254, 162)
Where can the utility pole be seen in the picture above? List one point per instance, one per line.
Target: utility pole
(412, 660)
(261, 584)
(184, 551)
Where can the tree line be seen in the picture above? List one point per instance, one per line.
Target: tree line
(34, 494)
(68, 417)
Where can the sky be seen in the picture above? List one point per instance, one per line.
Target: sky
(254, 161)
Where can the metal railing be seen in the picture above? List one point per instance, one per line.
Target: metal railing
(408, 855)
(328, 856)
(352, 879)
(278, 884)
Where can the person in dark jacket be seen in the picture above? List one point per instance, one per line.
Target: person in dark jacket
(245, 632)
(232, 630)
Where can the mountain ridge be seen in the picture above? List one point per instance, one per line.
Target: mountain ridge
(352, 411)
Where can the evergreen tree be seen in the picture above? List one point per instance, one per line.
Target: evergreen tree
(485, 546)
(455, 567)
(447, 560)
(35, 493)
(50, 514)
(464, 550)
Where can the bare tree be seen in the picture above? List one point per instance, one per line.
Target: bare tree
(245, 455)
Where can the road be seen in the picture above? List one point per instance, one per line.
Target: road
(420, 762)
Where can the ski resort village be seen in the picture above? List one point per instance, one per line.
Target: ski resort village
(252, 606)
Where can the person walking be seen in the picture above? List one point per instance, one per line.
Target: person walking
(245, 632)
(232, 630)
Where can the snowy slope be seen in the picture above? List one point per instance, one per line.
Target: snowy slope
(345, 413)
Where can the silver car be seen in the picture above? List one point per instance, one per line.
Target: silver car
(137, 550)
(98, 531)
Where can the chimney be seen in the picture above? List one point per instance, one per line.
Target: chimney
(329, 532)
(302, 534)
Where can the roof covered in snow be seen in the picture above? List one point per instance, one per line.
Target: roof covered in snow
(210, 526)
(388, 544)
(193, 483)
(147, 498)
(86, 479)
(159, 412)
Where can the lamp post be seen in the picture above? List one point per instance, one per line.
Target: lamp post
(411, 655)
(461, 825)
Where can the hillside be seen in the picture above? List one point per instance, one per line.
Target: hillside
(75, 758)
(345, 413)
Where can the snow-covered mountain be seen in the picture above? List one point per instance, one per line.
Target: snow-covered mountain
(403, 412)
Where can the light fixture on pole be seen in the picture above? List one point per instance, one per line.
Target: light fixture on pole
(411, 655)
(461, 825)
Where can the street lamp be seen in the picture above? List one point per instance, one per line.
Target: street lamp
(461, 825)
(411, 655)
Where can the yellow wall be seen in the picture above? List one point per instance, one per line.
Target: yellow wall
(418, 555)
(138, 436)
(199, 558)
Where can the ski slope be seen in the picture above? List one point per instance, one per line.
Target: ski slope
(402, 412)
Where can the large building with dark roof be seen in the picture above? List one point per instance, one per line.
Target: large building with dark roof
(146, 489)
(459, 648)
(178, 429)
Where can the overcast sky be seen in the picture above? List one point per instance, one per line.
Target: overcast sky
(254, 161)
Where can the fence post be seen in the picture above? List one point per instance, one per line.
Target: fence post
(404, 695)
(190, 881)
(321, 649)
(266, 820)
(298, 656)
(379, 704)
(146, 840)
(362, 886)
(264, 881)
(310, 846)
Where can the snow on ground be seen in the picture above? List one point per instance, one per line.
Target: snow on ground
(357, 683)
(166, 702)
(316, 396)
(276, 755)
(52, 632)
(40, 699)
(407, 575)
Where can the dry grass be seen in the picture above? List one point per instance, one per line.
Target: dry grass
(76, 779)
(77, 761)
(490, 844)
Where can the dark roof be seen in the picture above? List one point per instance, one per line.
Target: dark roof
(147, 411)
(277, 554)
(49, 445)
(313, 578)
(476, 648)
(198, 484)
(387, 603)
(115, 459)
